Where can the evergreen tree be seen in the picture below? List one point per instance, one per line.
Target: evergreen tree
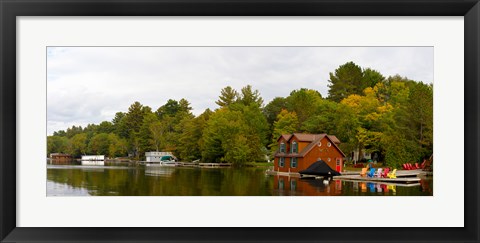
(249, 97)
(346, 80)
(228, 96)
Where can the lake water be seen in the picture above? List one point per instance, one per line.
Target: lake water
(78, 180)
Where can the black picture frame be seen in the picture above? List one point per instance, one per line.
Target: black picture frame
(10, 9)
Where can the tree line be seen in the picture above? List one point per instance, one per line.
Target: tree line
(392, 116)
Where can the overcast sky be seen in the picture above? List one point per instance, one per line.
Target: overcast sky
(90, 84)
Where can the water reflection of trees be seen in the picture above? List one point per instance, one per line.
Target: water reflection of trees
(180, 182)
(168, 181)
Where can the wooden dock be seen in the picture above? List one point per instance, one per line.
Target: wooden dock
(397, 180)
(193, 164)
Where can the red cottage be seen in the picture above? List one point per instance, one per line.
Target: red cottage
(297, 151)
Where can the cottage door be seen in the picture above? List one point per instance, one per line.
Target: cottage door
(338, 166)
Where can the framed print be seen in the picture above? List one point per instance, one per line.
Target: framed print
(239, 121)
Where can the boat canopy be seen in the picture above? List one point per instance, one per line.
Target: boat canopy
(319, 168)
(166, 157)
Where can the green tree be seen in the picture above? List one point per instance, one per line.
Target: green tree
(249, 97)
(60, 133)
(157, 131)
(145, 135)
(273, 108)
(346, 80)
(78, 145)
(346, 126)
(191, 139)
(245, 124)
(169, 109)
(72, 131)
(303, 102)
(132, 123)
(120, 125)
(99, 144)
(420, 109)
(173, 117)
(134, 118)
(287, 123)
(105, 127)
(256, 130)
(117, 146)
(57, 144)
(370, 78)
(228, 96)
(240, 151)
(323, 120)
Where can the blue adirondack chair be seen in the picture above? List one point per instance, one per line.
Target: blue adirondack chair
(371, 172)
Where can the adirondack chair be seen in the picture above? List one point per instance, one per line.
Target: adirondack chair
(392, 174)
(417, 166)
(379, 172)
(385, 172)
(371, 173)
(363, 173)
(405, 166)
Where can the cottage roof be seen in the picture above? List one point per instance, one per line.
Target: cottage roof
(285, 136)
(334, 139)
(304, 137)
(313, 139)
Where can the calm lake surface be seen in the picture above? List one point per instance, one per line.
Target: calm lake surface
(118, 180)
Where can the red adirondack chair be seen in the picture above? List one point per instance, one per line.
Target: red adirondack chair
(385, 172)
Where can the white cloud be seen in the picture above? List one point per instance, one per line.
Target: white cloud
(89, 84)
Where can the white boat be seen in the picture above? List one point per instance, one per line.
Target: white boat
(166, 160)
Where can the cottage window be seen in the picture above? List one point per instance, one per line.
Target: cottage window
(294, 147)
(280, 184)
(319, 144)
(329, 144)
(293, 162)
(281, 162)
(282, 148)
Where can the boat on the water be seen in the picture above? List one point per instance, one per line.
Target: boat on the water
(166, 160)
(319, 168)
